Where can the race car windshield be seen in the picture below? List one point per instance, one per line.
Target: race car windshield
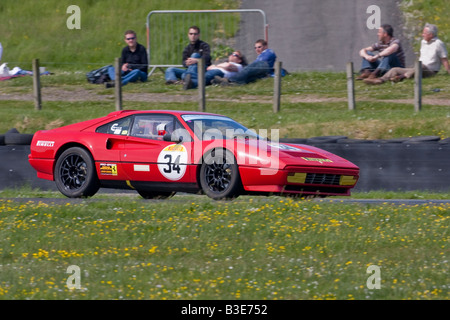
(210, 127)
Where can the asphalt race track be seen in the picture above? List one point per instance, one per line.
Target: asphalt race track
(323, 35)
(408, 164)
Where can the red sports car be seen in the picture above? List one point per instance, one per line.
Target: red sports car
(158, 153)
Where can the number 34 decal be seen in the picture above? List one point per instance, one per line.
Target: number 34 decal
(172, 162)
(175, 166)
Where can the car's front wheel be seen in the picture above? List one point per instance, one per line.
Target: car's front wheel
(219, 175)
(75, 174)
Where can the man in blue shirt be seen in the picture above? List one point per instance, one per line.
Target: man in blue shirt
(258, 69)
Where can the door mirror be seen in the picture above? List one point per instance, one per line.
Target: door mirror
(172, 138)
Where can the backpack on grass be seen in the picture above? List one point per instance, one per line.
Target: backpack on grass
(98, 76)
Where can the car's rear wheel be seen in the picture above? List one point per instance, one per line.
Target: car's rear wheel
(155, 195)
(75, 174)
(219, 175)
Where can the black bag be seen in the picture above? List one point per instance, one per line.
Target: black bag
(98, 76)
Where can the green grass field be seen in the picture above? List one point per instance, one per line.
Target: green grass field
(33, 29)
(252, 248)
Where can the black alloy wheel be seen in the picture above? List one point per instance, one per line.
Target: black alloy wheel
(75, 174)
(219, 175)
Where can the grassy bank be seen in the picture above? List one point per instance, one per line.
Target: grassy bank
(38, 29)
(419, 12)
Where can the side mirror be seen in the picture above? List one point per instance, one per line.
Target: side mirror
(169, 137)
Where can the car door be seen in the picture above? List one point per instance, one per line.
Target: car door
(148, 157)
(111, 138)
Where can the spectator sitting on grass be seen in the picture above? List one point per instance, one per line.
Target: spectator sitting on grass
(433, 54)
(192, 52)
(236, 62)
(260, 68)
(134, 62)
(390, 54)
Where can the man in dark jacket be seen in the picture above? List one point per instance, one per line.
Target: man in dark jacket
(195, 49)
(134, 61)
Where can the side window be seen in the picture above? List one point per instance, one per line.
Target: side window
(153, 126)
(120, 127)
(180, 132)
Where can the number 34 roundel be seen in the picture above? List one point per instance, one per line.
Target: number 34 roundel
(172, 161)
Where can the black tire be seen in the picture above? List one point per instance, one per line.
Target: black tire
(219, 175)
(352, 141)
(12, 130)
(293, 140)
(155, 195)
(394, 140)
(324, 139)
(75, 174)
(12, 138)
(420, 139)
(444, 141)
(2, 139)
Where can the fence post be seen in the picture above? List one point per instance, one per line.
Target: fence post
(201, 84)
(118, 84)
(350, 86)
(418, 86)
(277, 87)
(37, 85)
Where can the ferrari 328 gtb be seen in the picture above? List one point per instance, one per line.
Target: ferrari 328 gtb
(158, 153)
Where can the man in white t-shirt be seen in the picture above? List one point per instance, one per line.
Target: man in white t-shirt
(433, 54)
(236, 62)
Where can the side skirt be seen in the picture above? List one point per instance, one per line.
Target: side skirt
(150, 186)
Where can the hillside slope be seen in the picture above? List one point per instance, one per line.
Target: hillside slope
(32, 29)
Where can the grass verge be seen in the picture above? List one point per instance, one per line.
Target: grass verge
(251, 248)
